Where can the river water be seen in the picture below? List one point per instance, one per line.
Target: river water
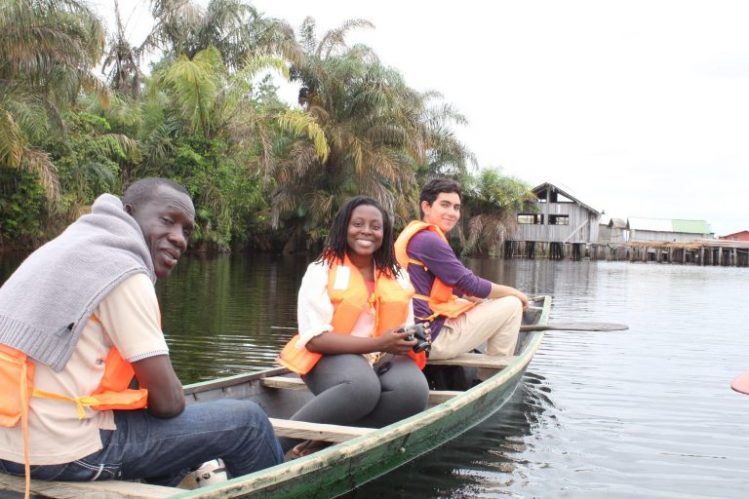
(646, 412)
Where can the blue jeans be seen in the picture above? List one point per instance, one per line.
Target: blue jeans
(163, 451)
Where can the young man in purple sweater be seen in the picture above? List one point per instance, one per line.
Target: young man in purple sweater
(490, 313)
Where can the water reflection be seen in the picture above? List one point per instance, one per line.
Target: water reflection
(481, 462)
(218, 312)
(644, 413)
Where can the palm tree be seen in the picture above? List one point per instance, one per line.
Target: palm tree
(211, 123)
(125, 75)
(379, 130)
(236, 29)
(47, 51)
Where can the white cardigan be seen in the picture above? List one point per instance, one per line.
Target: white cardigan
(315, 310)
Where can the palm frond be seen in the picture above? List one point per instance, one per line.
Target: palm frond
(40, 163)
(12, 143)
(301, 123)
(336, 38)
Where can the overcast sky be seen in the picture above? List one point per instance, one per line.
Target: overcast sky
(638, 108)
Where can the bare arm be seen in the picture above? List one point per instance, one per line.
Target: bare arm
(442, 262)
(165, 396)
(500, 291)
(390, 341)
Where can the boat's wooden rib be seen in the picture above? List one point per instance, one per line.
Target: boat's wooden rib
(475, 360)
(295, 383)
(284, 382)
(436, 397)
(316, 431)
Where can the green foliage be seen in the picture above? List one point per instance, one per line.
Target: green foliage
(47, 51)
(88, 159)
(491, 191)
(261, 174)
(380, 132)
(22, 207)
(490, 202)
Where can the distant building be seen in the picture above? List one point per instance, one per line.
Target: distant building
(737, 236)
(666, 229)
(561, 218)
(613, 230)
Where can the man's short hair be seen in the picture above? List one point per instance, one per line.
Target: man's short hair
(434, 187)
(143, 190)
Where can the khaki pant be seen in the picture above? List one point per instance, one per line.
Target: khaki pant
(495, 322)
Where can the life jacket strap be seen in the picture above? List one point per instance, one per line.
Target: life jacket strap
(418, 263)
(25, 431)
(80, 402)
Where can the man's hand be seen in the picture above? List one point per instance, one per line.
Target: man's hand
(500, 291)
(165, 396)
(523, 299)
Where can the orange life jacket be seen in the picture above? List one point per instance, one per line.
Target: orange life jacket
(17, 388)
(441, 299)
(350, 297)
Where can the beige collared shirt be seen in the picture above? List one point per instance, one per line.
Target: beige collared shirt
(129, 318)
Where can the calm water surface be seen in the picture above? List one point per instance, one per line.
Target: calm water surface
(642, 413)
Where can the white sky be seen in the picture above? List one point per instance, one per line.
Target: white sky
(638, 108)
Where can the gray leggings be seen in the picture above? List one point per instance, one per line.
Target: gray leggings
(349, 391)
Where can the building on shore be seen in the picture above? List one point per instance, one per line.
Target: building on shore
(560, 226)
(667, 229)
(736, 236)
(615, 230)
(563, 227)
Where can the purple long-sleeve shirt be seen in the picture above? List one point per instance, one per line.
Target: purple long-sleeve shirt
(440, 261)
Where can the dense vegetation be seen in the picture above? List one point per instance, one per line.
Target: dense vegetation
(264, 175)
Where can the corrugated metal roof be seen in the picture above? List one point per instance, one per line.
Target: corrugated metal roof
(655, 224)
(670, 225)
(691, 226)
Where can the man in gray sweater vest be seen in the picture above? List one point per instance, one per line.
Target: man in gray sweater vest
(81, 306)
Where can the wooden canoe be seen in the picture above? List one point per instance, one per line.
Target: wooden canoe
(358, 455)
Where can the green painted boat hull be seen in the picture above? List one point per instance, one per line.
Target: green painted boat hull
(343, 467)
(339, 468)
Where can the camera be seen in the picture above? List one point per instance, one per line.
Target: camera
(417, 332)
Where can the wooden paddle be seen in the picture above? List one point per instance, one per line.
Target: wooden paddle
(554, 326)
(741, 383)
(575, 326)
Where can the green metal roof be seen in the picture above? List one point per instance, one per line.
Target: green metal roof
(691, 226)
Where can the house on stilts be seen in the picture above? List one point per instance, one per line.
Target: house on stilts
(561, 226)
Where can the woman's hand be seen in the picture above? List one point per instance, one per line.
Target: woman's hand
(394, 341)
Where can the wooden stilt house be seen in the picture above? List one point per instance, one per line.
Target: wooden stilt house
(560, 225)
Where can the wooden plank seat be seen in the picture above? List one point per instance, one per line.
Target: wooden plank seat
(287, 382)
(295, 383)
(316, 431)
(475, 360)
(83, 490)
